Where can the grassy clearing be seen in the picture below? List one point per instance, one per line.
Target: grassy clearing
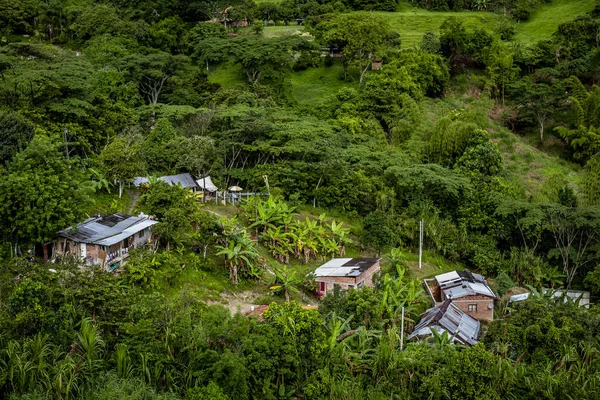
(227, 76)
(546, 19)
(411, 22)
(312, 85)
(275, 31)
(540, 174)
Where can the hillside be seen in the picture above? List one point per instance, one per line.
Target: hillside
(546, 19)
(210, 200)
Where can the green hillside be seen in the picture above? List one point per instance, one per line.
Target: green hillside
(411, 23)
(547, 18)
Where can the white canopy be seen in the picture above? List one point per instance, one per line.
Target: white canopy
(207, 184)
(235, 189)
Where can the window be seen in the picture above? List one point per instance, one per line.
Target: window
(472, 307)
(141, 234)
(322, 286)
(360, 284)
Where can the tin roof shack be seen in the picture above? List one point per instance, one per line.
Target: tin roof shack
(185, 180)
(447, 317)
(346, 273)
(581, 296)
(104, 241)
(468, 291)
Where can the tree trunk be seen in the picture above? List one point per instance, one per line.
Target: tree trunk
(542, 131)
(234, 274)
(120, 189)
(287, 295)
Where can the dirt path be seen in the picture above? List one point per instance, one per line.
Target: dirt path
(242, 302)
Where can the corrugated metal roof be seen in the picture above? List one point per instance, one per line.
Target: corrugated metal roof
(185, 180)
(448, 317)
(107, 230)
(345, 267)
(457, 284)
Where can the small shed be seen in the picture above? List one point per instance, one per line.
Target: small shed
(376, 65)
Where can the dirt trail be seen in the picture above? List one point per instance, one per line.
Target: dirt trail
(242, 302)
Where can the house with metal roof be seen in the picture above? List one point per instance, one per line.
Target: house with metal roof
(447, 317)
(468, 291)
(106, 240)
(184, 180)
(346, 273)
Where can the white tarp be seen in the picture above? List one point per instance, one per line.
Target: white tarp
(207, 184)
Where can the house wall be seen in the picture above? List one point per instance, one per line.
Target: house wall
(484, 312)
(95, 254)
(146, 235)
(436, 292)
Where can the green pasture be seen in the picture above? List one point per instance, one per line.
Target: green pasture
(546, 19)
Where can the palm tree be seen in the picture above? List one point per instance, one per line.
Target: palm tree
(285, 281)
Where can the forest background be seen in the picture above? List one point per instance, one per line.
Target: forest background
(483, 122)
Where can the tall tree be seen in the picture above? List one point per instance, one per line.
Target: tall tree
(362, 38)
(40, 194)
(123, 160)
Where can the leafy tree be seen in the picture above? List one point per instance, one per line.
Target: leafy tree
(537, 100)
(19, 17)
(123, 160)
(362, 38)
(500, 67)
(174, 207)
(15, 133)
(430, 43)
(40, 194)
(574, 233)
(198, 155)
(161, 147)
(378, 230)
(591, 180)
(264, 58)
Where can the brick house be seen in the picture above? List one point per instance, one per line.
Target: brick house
(468, 291)
(104, 241)
(346, 273)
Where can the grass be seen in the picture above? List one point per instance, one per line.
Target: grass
(275, 31)
(540, 173)
(544, 22)
(314, 84)
(411, 22)
(227, 76)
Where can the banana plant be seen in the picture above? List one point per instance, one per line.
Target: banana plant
(285, 281)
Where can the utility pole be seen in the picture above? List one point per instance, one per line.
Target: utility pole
(420, 243)
(402, 331)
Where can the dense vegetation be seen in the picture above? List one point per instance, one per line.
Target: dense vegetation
(494, 143)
